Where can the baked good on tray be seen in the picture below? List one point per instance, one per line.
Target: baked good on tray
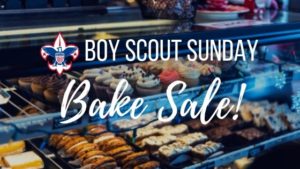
(105, 150)
(23, 160)
(135, 159)
(148, 85)
(218, 132)
(292, 120)
(204, 150)
(250, 134)
(152, 143)
(192, 138)
(174, 129)
(275, 123)
(12, 148)
(148, 165)
(172, 150)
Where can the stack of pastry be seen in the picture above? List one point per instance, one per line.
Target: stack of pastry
(104, 150)
(12, 155)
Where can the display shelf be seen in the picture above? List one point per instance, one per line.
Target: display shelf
(46, 123)
(250, 151)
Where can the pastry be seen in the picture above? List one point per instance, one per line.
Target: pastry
(84, 149)
(174, 130)
(243, 163)
(104, 163)
(196, 125)
(38, 85)
(204, 150)
(167, 77)
(148, 85)
(228, 123)
(170, 151)
(77, 147)
(99, 85)
(245, 112)
(23, 160)
(135, 159)
(192, 138)
(118, 71)
(133, 74)
(92, 158)
(148, 165)
(275, 123)
(155, 67)
(293, 120)
(53, 85)
(119, 157)
(250, 134)
(119, 150)
(73, 142)
(102, 137)
(110, 144)
(12, 148)
(90, 155)
(144, 132)
(113, 86)
(130, 123)
(90, 74)
(189, 75)
(94, 130)
(63, 141)
(218, 133)
(152, 143)
(25, 82)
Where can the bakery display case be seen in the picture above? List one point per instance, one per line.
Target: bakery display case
(31, 95)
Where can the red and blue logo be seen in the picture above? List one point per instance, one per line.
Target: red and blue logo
(60, 55)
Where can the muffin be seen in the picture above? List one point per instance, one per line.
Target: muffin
(167, 77)
(25, 83)
(133, 74)
(148, 85)
(113, 86)
(117, 71)
(53, 86)
(189, 75)
(90, 74)
(38, 85)
(100, 87)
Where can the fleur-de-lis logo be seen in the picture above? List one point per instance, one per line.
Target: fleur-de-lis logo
(59, 56)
